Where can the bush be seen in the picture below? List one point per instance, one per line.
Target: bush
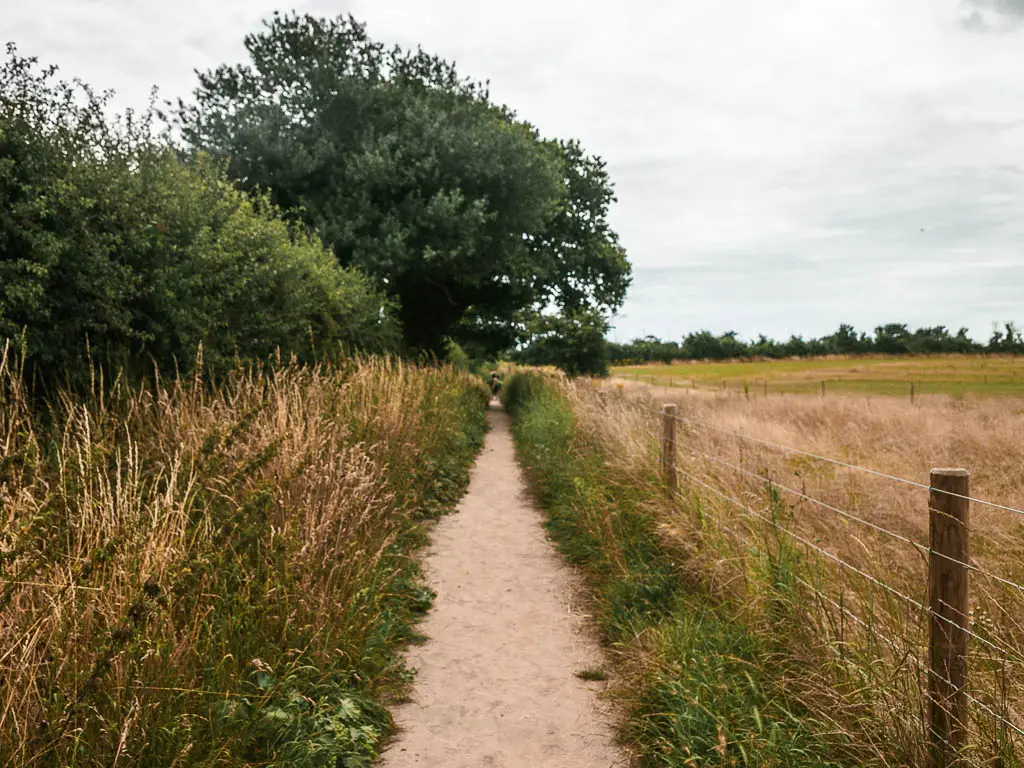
(115, 252)
(574, 342)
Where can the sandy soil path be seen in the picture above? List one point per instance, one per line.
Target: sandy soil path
(496, 682)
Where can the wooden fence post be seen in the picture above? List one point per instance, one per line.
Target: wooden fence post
(766, 387)
(668, 447)
(911, 393)
(823, 389)
(949, 608)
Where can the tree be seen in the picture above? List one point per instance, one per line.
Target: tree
(892, 339)
(704, 345)
(928, 341)
(1011, 342)
(846, 341)
(584, 265)
(574, 342)
(112, 249)
(408, 171)
(963, 344)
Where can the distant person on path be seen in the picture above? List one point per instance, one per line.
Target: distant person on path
(495, 384)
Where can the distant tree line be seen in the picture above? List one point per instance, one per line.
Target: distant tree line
(891, 339)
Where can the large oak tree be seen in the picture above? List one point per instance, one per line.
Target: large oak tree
(409, 171)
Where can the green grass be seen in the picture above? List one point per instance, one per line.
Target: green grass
(703, 688)
(956, 375)
(592, 674)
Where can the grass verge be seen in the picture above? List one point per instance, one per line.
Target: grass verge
(220, 576)
(703, 686)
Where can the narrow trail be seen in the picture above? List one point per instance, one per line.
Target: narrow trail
(496, 683)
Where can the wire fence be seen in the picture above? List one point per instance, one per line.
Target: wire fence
(756, 387)
(947, 608)
(843, 464)
(921, 548)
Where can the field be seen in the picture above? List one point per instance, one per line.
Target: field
(785, 584)
(956, 375)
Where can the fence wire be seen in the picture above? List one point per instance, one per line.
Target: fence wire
(921, 548)
(916, 604)
(839, 463)
(1004, 651)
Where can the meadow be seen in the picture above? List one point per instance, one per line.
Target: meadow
(956, 375)
(769, 611)
(220, 574)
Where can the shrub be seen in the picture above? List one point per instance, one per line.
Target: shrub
(115, 252)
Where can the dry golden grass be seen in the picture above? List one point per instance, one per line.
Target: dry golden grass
(858, 646)
(958, 375)
(162, 547)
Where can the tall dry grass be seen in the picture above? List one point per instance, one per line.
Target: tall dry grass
(196, 575)
(857, 648)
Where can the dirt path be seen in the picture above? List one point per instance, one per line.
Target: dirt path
(496, 682)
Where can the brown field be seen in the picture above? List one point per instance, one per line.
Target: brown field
(957, 375)
(867, 639)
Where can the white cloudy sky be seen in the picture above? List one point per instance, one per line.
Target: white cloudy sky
(781, 166)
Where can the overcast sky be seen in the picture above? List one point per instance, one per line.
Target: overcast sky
(781, 167)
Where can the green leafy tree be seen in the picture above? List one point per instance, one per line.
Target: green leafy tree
(704, 345)
(410, 172)
(584, 267)
(892, 339)
(114, 252)
(1007, 341)
(845, 341)
(574, 342)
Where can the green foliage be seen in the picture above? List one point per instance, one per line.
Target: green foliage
(113, 252)
(303, 721)
(587, 267)
(411, 173)
(708, 693)
(458, 358)
(890, 339)
(710, 701)
(574, 342)
(522, 389)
